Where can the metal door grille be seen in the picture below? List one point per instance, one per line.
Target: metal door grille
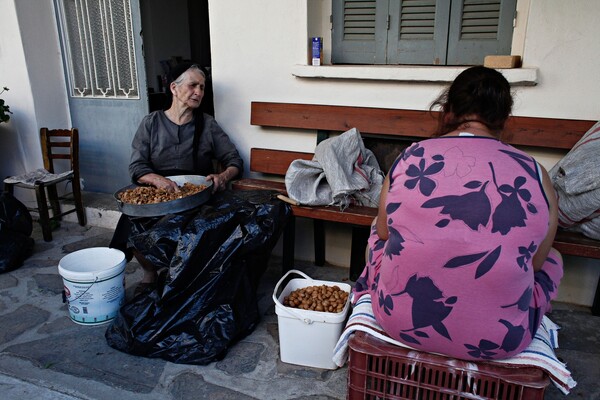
(98, 40)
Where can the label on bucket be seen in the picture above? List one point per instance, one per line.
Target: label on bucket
(95, 302)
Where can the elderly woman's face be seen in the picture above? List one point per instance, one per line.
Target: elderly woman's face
(191, 89)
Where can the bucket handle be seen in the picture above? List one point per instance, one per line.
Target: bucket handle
(66, 300)
(289, 310)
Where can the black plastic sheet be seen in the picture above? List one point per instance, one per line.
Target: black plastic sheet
(16, 226)
(212, 260)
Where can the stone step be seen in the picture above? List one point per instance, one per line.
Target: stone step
(100, 210)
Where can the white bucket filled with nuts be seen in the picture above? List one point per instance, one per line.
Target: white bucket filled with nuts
(311, 315)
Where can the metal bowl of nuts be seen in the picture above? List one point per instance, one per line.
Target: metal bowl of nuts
(148, 201)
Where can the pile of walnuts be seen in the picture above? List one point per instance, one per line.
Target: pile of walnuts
(318, 298)
(152, 195)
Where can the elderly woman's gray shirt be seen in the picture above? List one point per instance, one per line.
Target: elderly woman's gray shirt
(161, 145)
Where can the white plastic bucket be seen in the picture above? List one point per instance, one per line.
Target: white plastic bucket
(308, 337)
(94, 284)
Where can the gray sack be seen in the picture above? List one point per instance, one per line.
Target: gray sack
(342, 172)
(576, 179)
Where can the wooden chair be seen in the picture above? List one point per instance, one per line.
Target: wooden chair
(57, 144)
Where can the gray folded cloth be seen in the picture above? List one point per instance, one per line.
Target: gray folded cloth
(342, 172)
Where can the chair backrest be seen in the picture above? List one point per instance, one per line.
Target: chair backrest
(60, 144)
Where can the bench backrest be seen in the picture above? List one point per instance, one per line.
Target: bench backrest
(550, 133)
(274, 162)
(386, 132)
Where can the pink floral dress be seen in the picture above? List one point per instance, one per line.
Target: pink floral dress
(465, 217)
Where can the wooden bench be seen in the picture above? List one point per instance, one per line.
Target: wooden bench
(391, 127)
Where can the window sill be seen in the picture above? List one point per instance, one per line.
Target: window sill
(516, 76)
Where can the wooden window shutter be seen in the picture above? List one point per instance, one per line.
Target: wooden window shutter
(418, 32)
(485, 28)
(359, 31)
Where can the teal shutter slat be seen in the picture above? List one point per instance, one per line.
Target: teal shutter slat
(418, 31)
(484, 28)
(426, 32)
(359, 31)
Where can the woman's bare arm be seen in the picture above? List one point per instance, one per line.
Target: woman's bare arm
(546, 245)
(381, 219)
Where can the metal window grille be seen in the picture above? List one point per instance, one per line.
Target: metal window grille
(98, 41)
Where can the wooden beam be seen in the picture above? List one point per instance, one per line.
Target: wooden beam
(379, 121)
(554, 133)
(274, 162)
(551, 133)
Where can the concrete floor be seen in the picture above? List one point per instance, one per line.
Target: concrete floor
(44, 355)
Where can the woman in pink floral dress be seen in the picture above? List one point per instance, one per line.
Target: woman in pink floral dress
(460, 259)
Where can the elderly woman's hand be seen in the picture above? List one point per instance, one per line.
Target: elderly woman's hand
(159, 182)
(220, 180)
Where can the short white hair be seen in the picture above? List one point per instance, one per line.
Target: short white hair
(181, 77)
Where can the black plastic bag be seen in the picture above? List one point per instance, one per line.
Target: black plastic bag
(16, 226)
(206, 299)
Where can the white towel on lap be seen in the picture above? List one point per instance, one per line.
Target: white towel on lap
(540, 352)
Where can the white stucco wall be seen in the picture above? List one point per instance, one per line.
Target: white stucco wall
(31, 67)
(255, 45)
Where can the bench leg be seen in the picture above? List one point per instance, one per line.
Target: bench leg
(289, 233)
(360, 237)
(319, 238)
(596, 304)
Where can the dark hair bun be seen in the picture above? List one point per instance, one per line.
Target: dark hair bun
(477, 92)
(176, 71)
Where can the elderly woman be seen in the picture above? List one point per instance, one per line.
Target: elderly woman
(178, 141)
(460, 259)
